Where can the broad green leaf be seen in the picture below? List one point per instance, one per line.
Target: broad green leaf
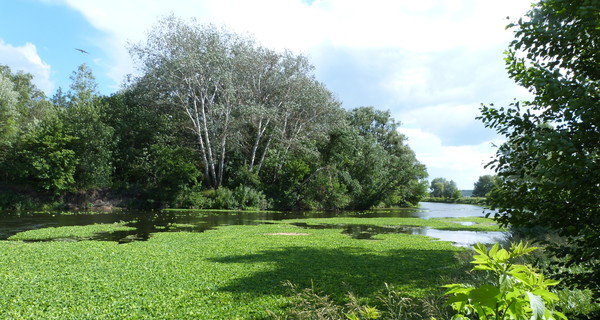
(537, 305)
(486, 295)
(480, 248)
(461, 297)
(546, 295)
(502, 255)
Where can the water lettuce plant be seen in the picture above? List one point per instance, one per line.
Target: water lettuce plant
(479, 223)
(71, 232)
(232, 272)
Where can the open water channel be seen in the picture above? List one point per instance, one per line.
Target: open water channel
(149, 222)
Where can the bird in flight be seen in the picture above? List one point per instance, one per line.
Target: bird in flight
(82, 51)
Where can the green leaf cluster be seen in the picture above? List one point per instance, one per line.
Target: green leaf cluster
(517, 291)
(442, 188)
(548, 169)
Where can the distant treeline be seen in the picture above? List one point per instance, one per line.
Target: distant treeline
(463, 200)
(212, 121)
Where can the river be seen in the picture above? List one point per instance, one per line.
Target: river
(149, 222)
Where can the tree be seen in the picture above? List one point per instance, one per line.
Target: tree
(152, 150)
(8, 113)
(483, 185)
(21, 105)
(44, 159)
(383, 166)
(549, 166)
(238, 96)
(83, 88)
(442, 188)
(31, 101)
(84, 119)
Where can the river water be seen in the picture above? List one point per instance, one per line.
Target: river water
(149, 222)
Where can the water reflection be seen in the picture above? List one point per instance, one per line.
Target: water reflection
(429, 210)
(457, 237)
(465, 238)
(146, 223)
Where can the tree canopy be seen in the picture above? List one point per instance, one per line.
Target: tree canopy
(442, 188)
(484, 185)
(212, 119)
(549, 166)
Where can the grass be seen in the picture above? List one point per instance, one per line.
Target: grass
(71, 232)
(232, 272)
(480, 224)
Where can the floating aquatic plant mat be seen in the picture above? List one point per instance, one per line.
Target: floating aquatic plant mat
(478, 223)
(227, 273)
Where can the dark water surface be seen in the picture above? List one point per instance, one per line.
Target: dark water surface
(149, 222)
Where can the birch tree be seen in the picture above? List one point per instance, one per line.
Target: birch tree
(236, 94)
(191, 67)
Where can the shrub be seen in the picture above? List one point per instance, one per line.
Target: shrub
(248, 198)
(225, 199)
(517, 292)
(194, 198)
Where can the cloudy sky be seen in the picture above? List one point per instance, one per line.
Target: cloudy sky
(430, 62)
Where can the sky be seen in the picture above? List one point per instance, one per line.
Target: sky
(431, 63)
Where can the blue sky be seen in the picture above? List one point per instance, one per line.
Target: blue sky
(430, 62)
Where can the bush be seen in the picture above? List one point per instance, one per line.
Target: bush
(193, 198)
(249, 198)
(516, 291)
(391, 304)
(225, 199)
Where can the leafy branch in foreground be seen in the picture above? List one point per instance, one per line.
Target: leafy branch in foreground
(518, 292)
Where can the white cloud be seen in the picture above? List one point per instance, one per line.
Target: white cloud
(431, 62)
(418, 26)
(464, 164)
(26, 58)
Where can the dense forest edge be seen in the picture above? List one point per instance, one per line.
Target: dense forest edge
(232, 126)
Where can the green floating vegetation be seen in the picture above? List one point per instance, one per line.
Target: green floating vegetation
(70, 232)
(233, 272)
(479, 223)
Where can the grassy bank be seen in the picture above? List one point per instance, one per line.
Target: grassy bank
(228, 273)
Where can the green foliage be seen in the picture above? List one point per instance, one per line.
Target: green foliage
(463, 200)
(13, 200)
(442, 188)
(93, 145)
(548, 167)
(73, 232)
(484, 185)
(31, 102)
(517, 291)
(8, 113)
(83, 86)
(249, 198)
(389, 304)
(192, 198)
(281, 142)
(21, 103)
(225, 199)
(227, 273)
(44, 158)
(479, 224)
